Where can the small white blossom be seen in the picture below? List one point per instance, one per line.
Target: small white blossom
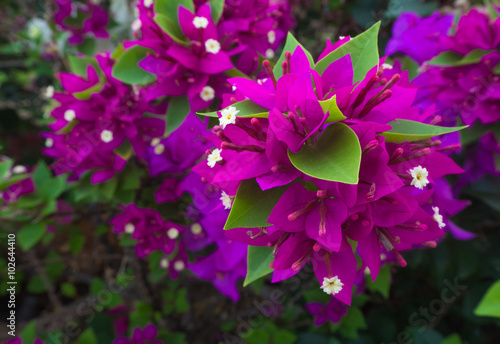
(233, 88)
(212, 46)
(419, 175)
(196, 228)
(227, 201)
(270, 53)
(341, 37)
(159, 149)
(200, 22)
(155, 141)
(332, 285)
(69, 115)
(228, 116)
(179, 265)
(106, 136)
(207, 93)
(19, 169)
(387, 66)
(136, 25)
(49, 92)
(271, 36)
(173, 233)
(438, 217)
(214, 157)
(49, 142)
(129, 228)
(164, 263)
(148, 3)
(261, 81)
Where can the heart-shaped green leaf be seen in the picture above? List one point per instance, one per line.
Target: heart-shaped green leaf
(258, 260)
(336, 156)
(404, 130)
(126, 69)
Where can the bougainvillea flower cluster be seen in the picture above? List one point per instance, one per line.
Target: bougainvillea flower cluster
(81, 19)
(95, 116)
(297, 117)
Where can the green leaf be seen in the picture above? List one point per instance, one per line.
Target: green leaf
(363, 50)
(496, 70)
(404, 130)
(30, 234)
(87, 337)
(5, 167)
(284, 337)
(216, 7)
(28, 334)
(331, 106)
(352, 322)
(78, 65)
(181, 301)
(178, 109)
(259, 258)
(126, 69)
(88, 46)
(335, 157)
(252, 206)
(174, 31)
(68, 289)
(12, 180)
(450, 58)
(108, 188)
(41, 174)
(247, 108)
(489, 306)
(170, 8)
(452, 339)
(383, 282)
(290, 45)
(52, 188)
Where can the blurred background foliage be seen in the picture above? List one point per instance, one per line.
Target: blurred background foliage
(85, 259)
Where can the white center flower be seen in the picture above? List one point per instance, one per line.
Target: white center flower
(270, 53)
(173, 233)
(69, 115)
(196, 228)
(212, 46)
(341, 37)
(332, 285)
(148, 3)
(387, 66)
(179, 265)
(207, 93)
(106, 136)
(155, 141)
(419, 175)
(438, 217)
(136, 25)
(49, 142)
(200, 22)
(19, 169)
(49, 92)
(228, 116)
(271, 36)
(159, 149)
(164, 263)
(129, 228)
(214, 157)
(227, 201)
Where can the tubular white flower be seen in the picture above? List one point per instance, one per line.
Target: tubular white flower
(136, 25)
(19, 169)
(106, 136)
(227, 201)
(69, 115)
(148, 3)
(228, 116)
(49, 142)
(270, 53)
(196, 228)
(200, 22)
(49, 92)
(271, 36)
(207, 93)
(164, 263)
(419, 175)
(155, 141)
(179, 265)
(214, 157)
(129, 228)
(173, 233)
(159, 149)
(332, 285)
(212, 46)
(438, 217)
